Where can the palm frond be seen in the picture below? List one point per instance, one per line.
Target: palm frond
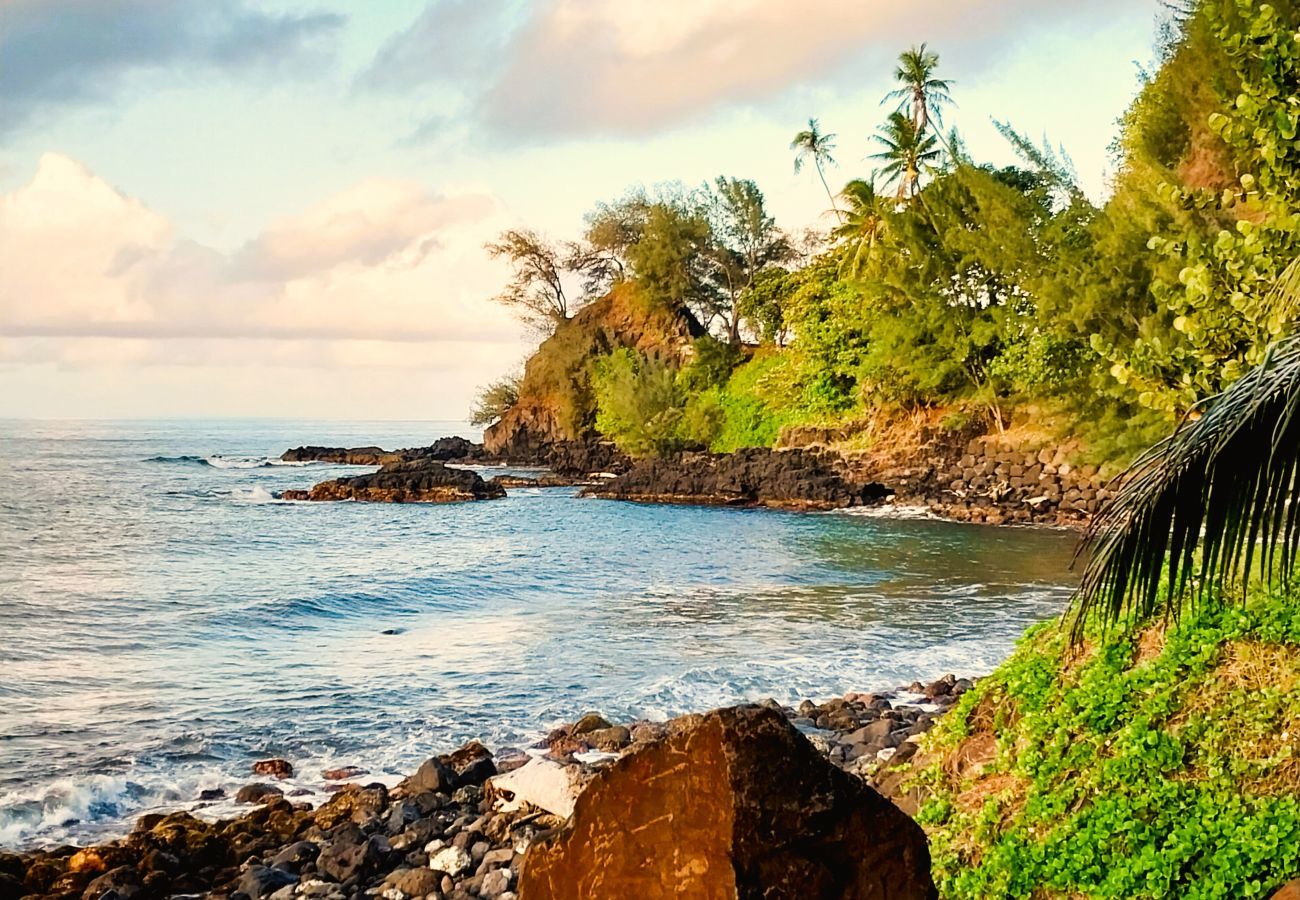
(1225, 482)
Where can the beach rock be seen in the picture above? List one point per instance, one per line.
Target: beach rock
(263, 881)
(351, 853)
(277, 768)
(343, 773)
(433, 776)
(1288, 891)
(123, 882)
(495, 883)
(414, 882)
(797, 479)
(543, 783)
(738, 804)
(354, 803)
(443, 449)
(296, 856)
(258, 792)
(472, 764)
(450, 861)
(413, 481)
(588, 723)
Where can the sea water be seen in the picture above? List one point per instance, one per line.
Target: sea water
(165, 620)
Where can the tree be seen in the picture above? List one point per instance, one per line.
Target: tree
(536, 290)
(612, 230)
(920, 94)
(670, 260)
(812, 144)
(745, 240)
(906, 152)
(861, 229)
(495, 400)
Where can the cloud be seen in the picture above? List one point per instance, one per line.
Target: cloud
(61, 53)
(578, 68)
(384, 274)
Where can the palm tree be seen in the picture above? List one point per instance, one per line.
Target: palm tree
(920, 94)
(861, 229)
(906, 152)
(1226, 482)
(812, 144)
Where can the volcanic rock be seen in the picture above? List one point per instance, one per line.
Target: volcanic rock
(443, 449)
(415, 481)
(737, 805)
(796, 479)
(278, 768)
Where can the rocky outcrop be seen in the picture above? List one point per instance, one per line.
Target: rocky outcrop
(578, 459)
(794, 479)
(555, 401)
(414, 481)
(443, 449)
(735, 804)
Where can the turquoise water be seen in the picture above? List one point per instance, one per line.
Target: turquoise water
(166, 620)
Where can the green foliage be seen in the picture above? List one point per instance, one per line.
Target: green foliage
(670, 258)
(495, 400)
(1127, 774)
(638, 403)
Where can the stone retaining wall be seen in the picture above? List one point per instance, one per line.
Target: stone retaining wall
(998, 484)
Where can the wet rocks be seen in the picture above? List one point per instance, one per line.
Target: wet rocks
(793, 479)
(415, 481)
(443, 449)
(277, 768)
(736, 804)
(343, 773)
(258, 792)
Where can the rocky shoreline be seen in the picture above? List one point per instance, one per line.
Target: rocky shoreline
(979, 481)
(472, 823)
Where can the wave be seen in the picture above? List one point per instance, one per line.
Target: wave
(64, 805)
(217, 461)
(257, 495)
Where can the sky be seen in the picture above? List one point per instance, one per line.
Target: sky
(239, 208)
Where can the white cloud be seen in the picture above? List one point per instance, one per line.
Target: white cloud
(383, 276)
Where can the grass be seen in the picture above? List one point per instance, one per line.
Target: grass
(1162, 763)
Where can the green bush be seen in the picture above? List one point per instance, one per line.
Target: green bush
(1160, 764)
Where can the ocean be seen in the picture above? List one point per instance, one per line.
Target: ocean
(165, 620)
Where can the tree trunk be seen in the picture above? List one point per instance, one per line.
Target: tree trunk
(822, 175)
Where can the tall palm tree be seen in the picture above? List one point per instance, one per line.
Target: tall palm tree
(1226, 482)
(920, 94)
(905, 153)
(812, 144)
(862, 227)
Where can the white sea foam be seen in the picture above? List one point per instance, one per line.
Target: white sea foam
(256, 494)
(888, 511)
(253, 462)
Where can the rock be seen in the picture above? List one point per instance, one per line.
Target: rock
(414, 481)
(296, 856)
(616, 737)
(343, 773)
(495, 883)
(589, 723)
(98, 859)
(432, 777)
(472, 764)
(450, 861)
(1288, 891)
(738, 805)
(277, 768)
(212, 794)
(258, 792)
(356, 804)
(543, 783)
(262, 881)
(442, 449)
(122, 882)
(352, 853)
(798, 479)
(414, 882)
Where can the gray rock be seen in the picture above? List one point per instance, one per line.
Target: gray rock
(262, 881)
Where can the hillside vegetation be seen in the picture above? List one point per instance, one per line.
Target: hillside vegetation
(997, 294)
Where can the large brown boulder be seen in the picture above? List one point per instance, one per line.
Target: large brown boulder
(415, 481)
(736, 806)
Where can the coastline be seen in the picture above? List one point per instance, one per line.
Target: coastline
(460, 826)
